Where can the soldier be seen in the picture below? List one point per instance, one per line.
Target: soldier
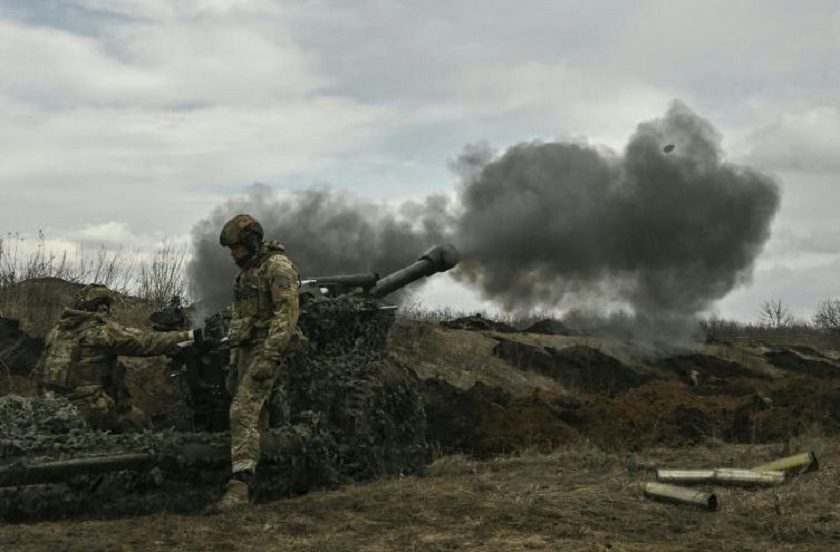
(263, 330)
(80, 360)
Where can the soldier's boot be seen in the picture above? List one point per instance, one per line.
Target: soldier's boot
(235, 497)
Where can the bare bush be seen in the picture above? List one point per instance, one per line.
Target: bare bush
(163, 277)
(717, 328)
(36, 283)
(111, 268)
(775, 314)
(827, 317)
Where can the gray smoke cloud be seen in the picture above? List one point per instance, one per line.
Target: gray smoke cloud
(665, 230)
(662, 230)
(325, 233)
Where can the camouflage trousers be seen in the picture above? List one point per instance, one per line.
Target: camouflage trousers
(249, 412)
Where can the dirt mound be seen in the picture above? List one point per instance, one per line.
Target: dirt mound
(700, 369)
(548, 326)
(483, 420)
(795, 361)
(736, 395)
(477, 323)
(578, 367)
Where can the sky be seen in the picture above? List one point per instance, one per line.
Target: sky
(128, 122)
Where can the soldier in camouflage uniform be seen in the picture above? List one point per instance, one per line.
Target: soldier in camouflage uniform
(80, 360)
(263, 329)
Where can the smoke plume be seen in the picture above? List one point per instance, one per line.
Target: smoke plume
(664, 230)
(324, 233)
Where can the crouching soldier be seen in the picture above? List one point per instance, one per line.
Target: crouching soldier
(80, 360)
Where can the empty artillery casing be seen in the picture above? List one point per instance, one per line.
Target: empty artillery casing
(731, 476)
(683, 495)
(798, 463)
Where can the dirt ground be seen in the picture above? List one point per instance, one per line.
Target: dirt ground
(543, 442)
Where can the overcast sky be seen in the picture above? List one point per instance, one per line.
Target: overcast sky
(127, 121)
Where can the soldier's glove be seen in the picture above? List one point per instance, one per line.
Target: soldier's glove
(198, 337)
(262, 369)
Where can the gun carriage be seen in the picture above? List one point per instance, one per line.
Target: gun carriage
(352, 412)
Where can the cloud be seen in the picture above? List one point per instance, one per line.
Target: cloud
(113, 233)
(149, 113)
(819, 240)
(805, 140)
(799, 289)
(760, 48)
(602, 106)
(183, 63)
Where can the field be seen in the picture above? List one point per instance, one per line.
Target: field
(574, 498)
(539, 440)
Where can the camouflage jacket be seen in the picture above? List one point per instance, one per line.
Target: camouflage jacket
(82, 350)
(265, 304)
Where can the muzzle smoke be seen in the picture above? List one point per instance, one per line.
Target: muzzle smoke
(666, 229)
(662, 231)
(324, 233)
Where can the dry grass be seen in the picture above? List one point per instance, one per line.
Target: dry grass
(571, 499)
(35, 287)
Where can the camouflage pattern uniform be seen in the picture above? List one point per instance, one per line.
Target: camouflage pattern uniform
(263, 322)
(263, 328)
(80, 361)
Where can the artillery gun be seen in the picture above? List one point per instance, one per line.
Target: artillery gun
(352, 412)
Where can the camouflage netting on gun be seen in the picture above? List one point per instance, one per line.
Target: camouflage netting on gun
(365, 400)
(352, 413)
(347, 324)
(90, 473)
(20, 416)
(369, 401)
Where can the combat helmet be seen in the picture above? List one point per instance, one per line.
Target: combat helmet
(93, 297)
(242, 229)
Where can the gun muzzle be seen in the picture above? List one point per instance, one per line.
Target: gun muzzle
(439, 258)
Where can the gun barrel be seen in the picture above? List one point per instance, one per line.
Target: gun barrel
(365, 280)
(190, 450)
(61, 470)
(439, 258)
